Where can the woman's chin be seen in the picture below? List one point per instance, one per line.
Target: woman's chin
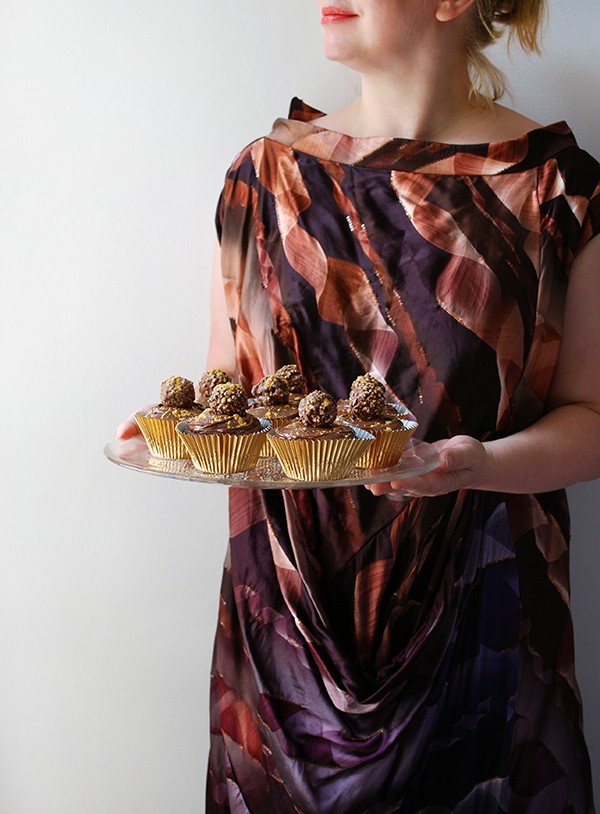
(337, 48)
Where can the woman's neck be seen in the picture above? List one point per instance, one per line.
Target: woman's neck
(418, 98)
(416, 106)
(412, 112)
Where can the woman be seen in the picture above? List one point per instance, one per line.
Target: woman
(375, 655)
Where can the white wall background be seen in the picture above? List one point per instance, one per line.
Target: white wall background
(118, 119)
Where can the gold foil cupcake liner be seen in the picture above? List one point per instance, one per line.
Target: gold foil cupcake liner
(223, 454)
(266, 451)
(388, 447)
(161, 437)
(319, 459)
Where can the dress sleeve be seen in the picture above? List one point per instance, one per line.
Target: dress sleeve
(219, 216)
(569, 197)
(236, 192)
(590, 226)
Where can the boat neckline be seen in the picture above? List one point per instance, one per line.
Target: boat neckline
(305, 117)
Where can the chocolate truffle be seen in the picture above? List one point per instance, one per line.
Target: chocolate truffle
(367, 397)
(208, 380)
(318, 409)
(295, 379)
(177, 392)
(271, 390)
(228, 399)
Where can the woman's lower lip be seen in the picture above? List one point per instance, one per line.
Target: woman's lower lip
(335, 17)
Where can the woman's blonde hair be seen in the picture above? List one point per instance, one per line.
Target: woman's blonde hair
(491, 18)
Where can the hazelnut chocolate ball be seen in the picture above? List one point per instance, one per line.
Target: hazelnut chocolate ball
(177, 392)
(318, 409)
(271, 390)
(295, 379)
(367, 397)
(208, 380)
(367, 380)
(228, 399)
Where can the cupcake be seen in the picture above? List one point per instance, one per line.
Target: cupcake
(158, 422)
(208, 380)
(316, 447)
(271, 401)
(224, 438)
(368, 409)
(295, 381)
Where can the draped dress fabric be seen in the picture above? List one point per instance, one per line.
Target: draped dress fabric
(376, 656)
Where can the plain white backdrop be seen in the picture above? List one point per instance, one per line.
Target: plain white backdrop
(118, 119)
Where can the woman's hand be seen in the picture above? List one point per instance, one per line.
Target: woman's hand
(129, 428)
(464, 463)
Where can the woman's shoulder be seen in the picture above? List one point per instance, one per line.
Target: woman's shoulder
(284, 132)
(507, 124)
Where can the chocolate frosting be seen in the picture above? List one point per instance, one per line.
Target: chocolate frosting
(167, 413)
(317, 414)
(210, 422)
(274, 412)
(297, 429)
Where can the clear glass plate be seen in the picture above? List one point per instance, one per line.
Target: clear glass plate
(417, 459)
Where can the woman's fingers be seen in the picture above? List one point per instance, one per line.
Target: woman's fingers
(462, 462)
(129, 428)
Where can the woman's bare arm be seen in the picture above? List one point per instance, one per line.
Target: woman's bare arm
(221, 351)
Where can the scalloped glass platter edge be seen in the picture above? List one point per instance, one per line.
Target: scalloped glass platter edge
(418, 458)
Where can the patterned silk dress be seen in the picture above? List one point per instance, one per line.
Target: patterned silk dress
(374, 656)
